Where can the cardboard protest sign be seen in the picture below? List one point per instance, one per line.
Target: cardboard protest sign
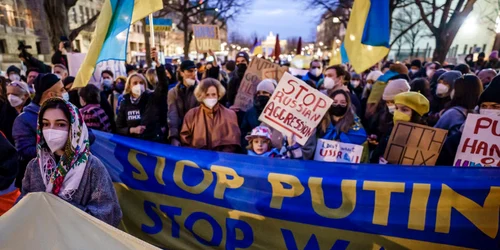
(414, 144)
(295, 108)
(252, 78)
(206, 37)
(75, 61)
(298, 72)
(274, 73)
(334, 151)
(480, 142)
(160, 24)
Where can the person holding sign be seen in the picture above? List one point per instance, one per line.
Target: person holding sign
(211, 126)
(489, 104)
(339, 124)
(409, 107)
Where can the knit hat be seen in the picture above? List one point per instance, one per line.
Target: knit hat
(259, 131)
(244, 55)
(450, 77)
(395, 87)
(494, 54)
(413, 100)
(267, 85)
(486, 74)
(14, 69)
(130, 67)
(399, 68)
(416, 63)
(374, 75)
(492, 92)
(42, 83)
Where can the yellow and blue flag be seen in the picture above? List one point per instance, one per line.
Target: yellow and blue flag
(111, 33)
(367, 36)
(257, 47)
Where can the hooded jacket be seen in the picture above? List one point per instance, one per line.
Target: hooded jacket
(212, 129)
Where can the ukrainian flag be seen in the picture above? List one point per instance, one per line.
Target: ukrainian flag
(257, 48)
(110, 36)
(366, 40)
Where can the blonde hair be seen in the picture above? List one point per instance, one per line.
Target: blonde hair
(128, 89)
(150, 76)
(205, 84)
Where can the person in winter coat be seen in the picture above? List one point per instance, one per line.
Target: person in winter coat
(180, 100)
(489, 104)
(13, 73)
(250, 119)
(259, 143)
(357, 86)
(381, 122)
(143, 113)
(415, 67)
(7, 113)
(18, 94)
(442, 95)
(431, 68)
(410, 107)
(92, 113)
(315, 72)
(65, 167)
(242, 61)
(24, 130)
(339, 124)
(422, 86)
(8, 171)
(60, 55)
(211, 126)
(465, 96)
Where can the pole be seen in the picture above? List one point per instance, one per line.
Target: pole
(151, 29)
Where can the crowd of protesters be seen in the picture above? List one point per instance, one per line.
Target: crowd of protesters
(46, 125)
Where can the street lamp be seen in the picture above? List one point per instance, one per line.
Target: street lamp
(320, 43)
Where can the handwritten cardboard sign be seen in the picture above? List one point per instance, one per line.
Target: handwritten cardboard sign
(480, 142)
(295, 108)
(252, 78)
(414, 144)
(274, 73)
(334, 151)
(206, 37)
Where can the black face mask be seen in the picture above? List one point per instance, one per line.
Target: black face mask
(337, 110)
(241, 69)
(260, 102)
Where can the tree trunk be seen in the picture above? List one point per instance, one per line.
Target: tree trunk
(57, 17)
(186, 37)
(147, 42)
(443, 44)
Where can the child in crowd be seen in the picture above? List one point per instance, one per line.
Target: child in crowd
(259, 143)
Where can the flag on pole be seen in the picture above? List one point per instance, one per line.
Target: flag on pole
(299, 46)
(277, 47)
(257, 47)
(367, 36)
(110, 36)
(335, 59)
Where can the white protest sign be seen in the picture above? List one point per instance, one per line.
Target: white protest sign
(75, 61)
(480, 142)
(295, 108)
(334, 151)
(298, 72)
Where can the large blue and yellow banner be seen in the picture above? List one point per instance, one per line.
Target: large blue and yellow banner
(181, 198)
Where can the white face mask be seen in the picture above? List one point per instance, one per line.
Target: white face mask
(138, 89)
(56, 139)
(14, 77)
(368, 86)
(190, 82)
(429, 73)
(442, 89)
(210, 102)
(316, 72)
(391, 108)
(14, 100)
(58, 76)
(355, 83)
(65, 96)
(490, 112)
(328, 83)
(414, 71)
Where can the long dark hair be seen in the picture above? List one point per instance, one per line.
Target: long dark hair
(3, 89)
(422, 86)
(54, 103)
(347, 121)
(467, 89)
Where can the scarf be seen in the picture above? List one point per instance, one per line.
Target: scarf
(63, 178)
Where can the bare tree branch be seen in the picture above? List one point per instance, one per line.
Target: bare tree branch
(74, 33)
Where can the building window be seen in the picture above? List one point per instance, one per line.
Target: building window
(484, 47)
(75, 17)
(82, 17)
(3, 46)
(87, 13)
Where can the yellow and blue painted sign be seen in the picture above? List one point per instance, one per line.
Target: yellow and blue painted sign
(181, 198)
